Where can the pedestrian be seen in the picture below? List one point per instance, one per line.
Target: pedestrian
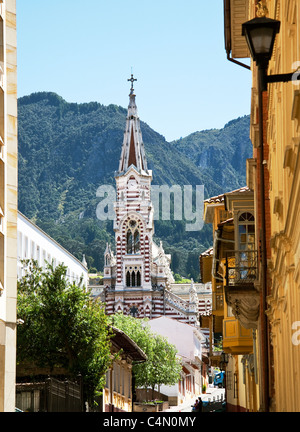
(200, 404)
(196, 406)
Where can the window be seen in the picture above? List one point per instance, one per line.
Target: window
(129, 242)
(246, 243)
(133, 244)
(133, 279)
(128, 279)
(246, 231)
(32, 249)
(136, 242)
(133, 276)
(26, 248)
(38, 253)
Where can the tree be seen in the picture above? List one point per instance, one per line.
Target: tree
(62, 327)
(162, 365)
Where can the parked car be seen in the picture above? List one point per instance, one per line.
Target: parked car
(219, 379)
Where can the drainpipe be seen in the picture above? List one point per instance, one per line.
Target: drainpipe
(264, 325)
(237, 62)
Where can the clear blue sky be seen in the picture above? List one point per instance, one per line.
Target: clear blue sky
(85, 51)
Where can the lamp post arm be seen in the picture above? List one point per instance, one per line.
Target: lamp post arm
(293, 76)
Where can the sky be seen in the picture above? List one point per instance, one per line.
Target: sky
(86, 50)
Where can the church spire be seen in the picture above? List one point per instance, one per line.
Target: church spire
(133, 152)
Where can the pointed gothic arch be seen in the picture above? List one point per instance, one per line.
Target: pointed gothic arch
(133, 229)
(133, 281)
(128, 279)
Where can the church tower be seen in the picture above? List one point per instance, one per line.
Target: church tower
(137, 278)
(131, 276)
(133, 224)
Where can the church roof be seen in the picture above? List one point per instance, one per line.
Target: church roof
(133, 152)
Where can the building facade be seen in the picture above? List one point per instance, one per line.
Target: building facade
(118, 390)
(188, 342)
(8, 203)
(231, 265)
(273, 173)
(34, 243)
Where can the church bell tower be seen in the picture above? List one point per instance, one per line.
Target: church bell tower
(133, 223)
(137, 275)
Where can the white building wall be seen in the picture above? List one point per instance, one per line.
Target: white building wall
(8, 203)
(33, 243)
(187, 339)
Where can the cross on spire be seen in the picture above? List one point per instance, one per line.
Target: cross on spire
(132, 81)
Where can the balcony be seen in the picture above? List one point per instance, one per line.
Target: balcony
(237, 340)
(241, 269)
(240, 289)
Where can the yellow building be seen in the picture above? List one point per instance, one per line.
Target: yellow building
(8, 203)
(117, 393)
(235, 297)
(280, 166)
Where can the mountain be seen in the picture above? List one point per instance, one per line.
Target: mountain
(227, 148)
(67, 150)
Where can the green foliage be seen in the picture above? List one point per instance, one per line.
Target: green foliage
(162, 365)
(67, 150)
(179, 279)
(62, 327)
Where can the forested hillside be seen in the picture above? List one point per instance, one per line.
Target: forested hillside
(67, 150)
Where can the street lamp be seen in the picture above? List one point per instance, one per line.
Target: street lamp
(260, 35)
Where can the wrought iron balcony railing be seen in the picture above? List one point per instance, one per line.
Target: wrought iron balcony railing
(241, 268)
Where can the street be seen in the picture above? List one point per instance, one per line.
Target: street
(210, 395)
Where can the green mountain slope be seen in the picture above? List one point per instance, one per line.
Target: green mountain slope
(67, 150)
(221, 151)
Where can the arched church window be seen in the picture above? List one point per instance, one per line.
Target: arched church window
(128, 279)
(129, 242)
(136, 242)
(133, 279)
(138, 279)
(133, 244)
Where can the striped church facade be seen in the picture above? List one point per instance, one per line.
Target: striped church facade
(137, 277)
